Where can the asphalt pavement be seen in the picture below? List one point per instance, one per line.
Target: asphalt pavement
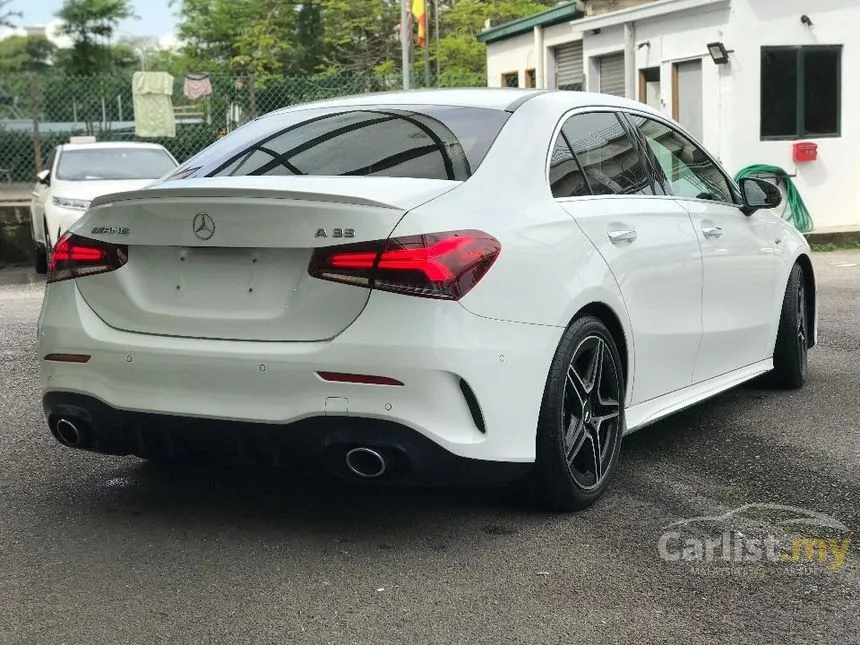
(99, 549)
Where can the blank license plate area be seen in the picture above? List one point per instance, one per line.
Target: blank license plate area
(235, 283)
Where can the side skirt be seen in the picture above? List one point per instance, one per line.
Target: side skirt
(646, 413)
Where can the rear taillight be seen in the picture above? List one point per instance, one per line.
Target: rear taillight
(438, 265)
(75, 257)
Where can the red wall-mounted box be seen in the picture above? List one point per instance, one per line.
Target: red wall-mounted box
(805, 151)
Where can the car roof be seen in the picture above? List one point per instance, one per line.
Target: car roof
(479, 97)
(112, 144)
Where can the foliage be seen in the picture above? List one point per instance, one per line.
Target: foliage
(459, 49)
(359, 36)
(26, 53)
(91, 24)
(278, 37)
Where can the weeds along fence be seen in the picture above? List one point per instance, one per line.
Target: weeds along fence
(41, 111)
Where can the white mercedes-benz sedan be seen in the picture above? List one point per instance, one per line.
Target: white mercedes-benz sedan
(439, 286)
(77, 173)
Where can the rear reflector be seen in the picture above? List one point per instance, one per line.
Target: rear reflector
(337, 377)
(75, 257)
(445, 266)
(68, 358)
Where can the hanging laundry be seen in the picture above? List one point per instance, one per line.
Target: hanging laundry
(197, 86)
(153, 104)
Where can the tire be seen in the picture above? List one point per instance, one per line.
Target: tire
(581, 422)
(40, 261)
(790, 362)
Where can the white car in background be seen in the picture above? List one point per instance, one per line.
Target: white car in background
(77, 173)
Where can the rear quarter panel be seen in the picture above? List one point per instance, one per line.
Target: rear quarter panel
(547, 270)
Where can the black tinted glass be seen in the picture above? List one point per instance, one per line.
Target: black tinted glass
(821, 91)
(778, 92)
(432, 142)
(611, 162)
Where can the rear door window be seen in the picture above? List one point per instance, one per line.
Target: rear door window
(609, 158)
(430, 142)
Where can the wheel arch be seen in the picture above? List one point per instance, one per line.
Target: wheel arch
(805, 263)
(605, 314)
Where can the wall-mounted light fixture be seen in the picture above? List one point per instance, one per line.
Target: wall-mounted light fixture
(719, 53)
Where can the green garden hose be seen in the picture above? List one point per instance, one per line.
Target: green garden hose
(796, 211)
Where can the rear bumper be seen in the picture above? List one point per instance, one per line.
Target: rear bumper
(431, 347)
(314, 444)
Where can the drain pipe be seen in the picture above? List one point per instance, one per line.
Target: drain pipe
(630, 60)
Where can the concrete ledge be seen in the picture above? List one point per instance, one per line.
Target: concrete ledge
(16, 244)
(841, 237)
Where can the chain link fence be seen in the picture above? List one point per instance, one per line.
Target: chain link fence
(41, 111)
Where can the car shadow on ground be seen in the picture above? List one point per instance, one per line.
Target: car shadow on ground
(250, 492)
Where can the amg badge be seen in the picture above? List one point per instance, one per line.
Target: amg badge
(109, 230)
(336, 232)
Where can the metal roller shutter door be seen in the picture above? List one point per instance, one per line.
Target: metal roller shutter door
(612, 74)
(568, 65)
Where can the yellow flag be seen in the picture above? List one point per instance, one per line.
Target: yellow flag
(419, 11)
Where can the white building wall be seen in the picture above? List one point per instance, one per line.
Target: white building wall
(830, 185)
(731, 93)
(515, 54)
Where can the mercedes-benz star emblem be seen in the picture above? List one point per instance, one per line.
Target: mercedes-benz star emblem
(203, 226)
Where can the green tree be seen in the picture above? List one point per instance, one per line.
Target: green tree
(26, 54)
(310, 49)
(91, 25)
(460, 52)
(360, 37)
(278, 37)
(242, 37)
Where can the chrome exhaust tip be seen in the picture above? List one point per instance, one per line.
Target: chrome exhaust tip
(68, 434)
(366, 463)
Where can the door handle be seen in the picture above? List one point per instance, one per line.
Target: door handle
(712, 232)
(624, 235)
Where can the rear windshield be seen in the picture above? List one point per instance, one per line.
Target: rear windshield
(428, 142)
(114, 163)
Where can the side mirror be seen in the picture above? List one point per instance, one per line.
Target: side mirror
(759, 194)
(44, 177)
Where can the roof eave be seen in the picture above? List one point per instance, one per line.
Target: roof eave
(554, 16)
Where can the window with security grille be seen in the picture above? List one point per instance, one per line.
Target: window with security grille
(511, 79)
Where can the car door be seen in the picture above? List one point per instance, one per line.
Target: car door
(740, 255)
(41, 193)
(599, 175)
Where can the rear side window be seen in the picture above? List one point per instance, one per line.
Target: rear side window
(430, 142)
(608, 157)
(565, 175)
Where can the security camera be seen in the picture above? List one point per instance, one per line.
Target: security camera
(806, 20)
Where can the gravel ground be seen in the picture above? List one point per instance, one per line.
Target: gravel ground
(111, 550)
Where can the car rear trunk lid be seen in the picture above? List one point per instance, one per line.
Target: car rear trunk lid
(227, 258)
